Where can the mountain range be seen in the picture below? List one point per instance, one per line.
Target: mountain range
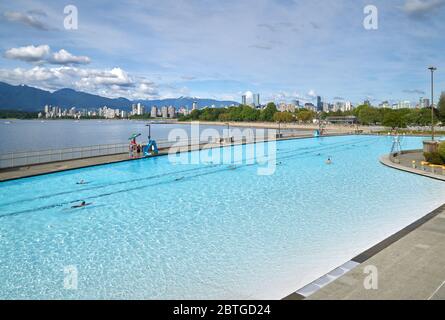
(25, 98)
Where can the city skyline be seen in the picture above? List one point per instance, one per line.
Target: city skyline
(218, 50)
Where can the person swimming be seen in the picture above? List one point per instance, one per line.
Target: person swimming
(329, 161)
(81, 205)
(81, 182)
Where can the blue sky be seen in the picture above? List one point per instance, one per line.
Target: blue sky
(284, 50)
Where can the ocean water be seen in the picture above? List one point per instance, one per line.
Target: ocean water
(36, 135)
(157, 229)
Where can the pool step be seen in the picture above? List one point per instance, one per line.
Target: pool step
(313, 287)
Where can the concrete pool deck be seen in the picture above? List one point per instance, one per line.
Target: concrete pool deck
(52, 167)
(404, 162)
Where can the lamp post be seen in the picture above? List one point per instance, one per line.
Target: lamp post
(432, 69)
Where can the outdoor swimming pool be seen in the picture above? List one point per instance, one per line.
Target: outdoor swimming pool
(162, 231)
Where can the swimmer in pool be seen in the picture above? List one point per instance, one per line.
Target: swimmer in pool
(81, 205)
(82, 182)
(329, 161)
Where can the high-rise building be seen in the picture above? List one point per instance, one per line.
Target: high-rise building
(244, 100)
(256, 99)
(154, 112)
(194, 105)
(404, 104)
(140, 109)
(171, 112)
(348, 106)
(183, 111)
(385, 104)
(325, 107)
(310, 106)
(338, 106)
(319, 104)
(164, 112)
(426, 103)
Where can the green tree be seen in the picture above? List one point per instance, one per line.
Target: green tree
(305, 115)
(283, 117)
(194, 115)
(369, 115)
(394, 119)
(268, 112)
(413, 117)
(249, 114)
(441, 107)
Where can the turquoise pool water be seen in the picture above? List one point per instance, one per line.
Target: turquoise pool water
(157, 230)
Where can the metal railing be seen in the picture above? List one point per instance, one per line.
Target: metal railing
(19, 159)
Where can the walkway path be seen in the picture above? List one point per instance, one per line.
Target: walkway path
(404, 162)
(38, 169)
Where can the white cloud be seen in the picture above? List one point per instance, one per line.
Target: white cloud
(96, 78)
(421, 7)
(43, 54)
(28, 19)
(110, 83)
(312, 94)
(248, 94)
(29, 53)
(64, 57)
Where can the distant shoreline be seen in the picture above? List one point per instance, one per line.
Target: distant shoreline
(282, 126)
(254, 125)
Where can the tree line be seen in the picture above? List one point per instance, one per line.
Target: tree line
(246, 113)
(366, 115)
(15, 114)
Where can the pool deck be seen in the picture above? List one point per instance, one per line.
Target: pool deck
(45, 168)
(404, 162)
